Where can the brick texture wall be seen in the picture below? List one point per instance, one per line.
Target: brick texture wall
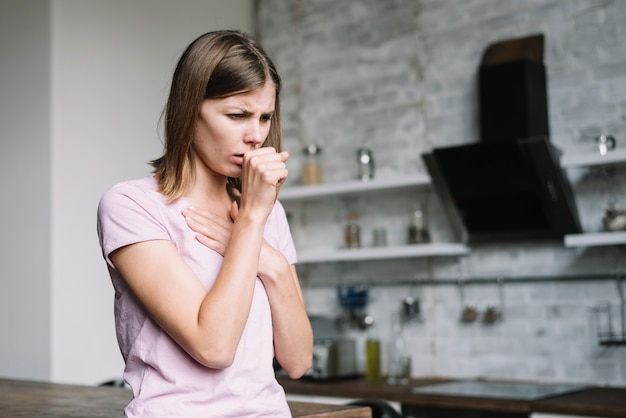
(400, 77)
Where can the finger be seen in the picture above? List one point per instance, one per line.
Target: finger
(266, 154)
(259, 152)
(215, 245)
(206, 224)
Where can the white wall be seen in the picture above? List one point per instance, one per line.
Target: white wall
(104, 84)
(111, 65)
(25, 186)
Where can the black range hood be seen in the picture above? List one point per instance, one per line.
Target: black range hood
(510, 185)
(504, 191)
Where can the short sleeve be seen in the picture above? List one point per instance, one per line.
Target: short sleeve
(284, 242)
(127, 215)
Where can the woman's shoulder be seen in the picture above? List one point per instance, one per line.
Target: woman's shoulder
(129, 212)
(138, 191)
(143, 185)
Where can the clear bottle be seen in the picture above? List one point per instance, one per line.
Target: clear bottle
(399, 360)
(312, 168)
(353, 232)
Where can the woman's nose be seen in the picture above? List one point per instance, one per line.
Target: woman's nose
(254, 133)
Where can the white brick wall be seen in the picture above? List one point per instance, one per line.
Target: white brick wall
(401, 77)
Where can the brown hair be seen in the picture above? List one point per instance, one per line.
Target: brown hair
(216, 65)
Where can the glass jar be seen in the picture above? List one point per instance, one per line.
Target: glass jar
(353, 232)
(417, 232)
(312, 168)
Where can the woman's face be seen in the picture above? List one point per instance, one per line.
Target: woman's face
(228, 128)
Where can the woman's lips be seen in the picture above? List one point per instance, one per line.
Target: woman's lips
(239, 159)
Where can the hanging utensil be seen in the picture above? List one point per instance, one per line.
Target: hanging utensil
(494, 313)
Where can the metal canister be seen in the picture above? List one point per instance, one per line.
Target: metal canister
(365, 162)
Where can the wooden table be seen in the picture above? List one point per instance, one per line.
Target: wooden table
(21, 398)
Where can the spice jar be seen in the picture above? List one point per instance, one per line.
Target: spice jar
(312, 168)
(353, 232)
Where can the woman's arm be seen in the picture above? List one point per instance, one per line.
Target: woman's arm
(293, 337)
(208, 325)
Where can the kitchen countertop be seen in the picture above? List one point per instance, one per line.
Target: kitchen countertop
(609, 402)
(21, 398)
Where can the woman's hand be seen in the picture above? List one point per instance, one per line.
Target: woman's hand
(211, 230)
(264, 172)
(214, 232)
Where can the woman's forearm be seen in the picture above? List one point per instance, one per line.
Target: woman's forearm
(226, 307)
(293, 337)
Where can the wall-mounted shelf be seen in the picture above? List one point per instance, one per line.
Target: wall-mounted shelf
(593, 159)
(368, 253)
(383, 253)
(353, 186)
(594, 239)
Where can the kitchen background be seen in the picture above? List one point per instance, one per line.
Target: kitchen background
(399, 77)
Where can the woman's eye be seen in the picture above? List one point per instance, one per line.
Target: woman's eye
(266, 118)
(236, 115)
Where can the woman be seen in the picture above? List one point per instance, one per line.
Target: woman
(200, 254)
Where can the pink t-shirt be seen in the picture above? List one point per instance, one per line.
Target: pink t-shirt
(165, 380)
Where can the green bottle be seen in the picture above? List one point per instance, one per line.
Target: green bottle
(372, 355)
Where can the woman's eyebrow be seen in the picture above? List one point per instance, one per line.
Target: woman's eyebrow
(245, 111)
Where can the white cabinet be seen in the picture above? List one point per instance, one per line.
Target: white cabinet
(355, 188)
(590, 160)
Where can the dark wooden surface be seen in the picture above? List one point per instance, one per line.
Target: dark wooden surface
(593, 401)
(355, 388)
(20, 398)
(359, 388)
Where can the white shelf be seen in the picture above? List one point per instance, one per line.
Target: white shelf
(353, 186)
(591, 159)
(368, 253)
(595, 239)
(380, 253)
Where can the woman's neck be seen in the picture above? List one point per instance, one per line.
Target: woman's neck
(210, 193)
